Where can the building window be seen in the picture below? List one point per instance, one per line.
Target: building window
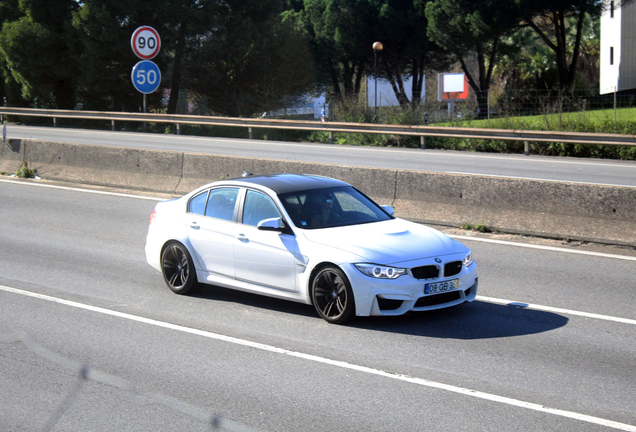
(611, 9)
(611, 55)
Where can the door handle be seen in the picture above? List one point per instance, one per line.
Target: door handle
(194, 225)
(241, 237)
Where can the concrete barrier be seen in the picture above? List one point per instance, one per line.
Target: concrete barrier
(598, 213)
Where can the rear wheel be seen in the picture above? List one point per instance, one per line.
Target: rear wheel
(332, 295)
(178, 268)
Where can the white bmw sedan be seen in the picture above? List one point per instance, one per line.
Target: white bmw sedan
(309, 239)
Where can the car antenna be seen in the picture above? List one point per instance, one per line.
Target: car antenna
(246, 174)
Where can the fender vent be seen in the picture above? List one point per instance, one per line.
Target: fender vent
(387, 304)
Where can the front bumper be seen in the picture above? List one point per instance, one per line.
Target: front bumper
(398, 296)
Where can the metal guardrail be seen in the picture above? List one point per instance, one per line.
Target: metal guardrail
(331, 127)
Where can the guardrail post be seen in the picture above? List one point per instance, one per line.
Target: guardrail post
(54, 122)
(250, 132)
(178, 128)
(112, 125)
(330, 137)
(526, 148)
(423, 142)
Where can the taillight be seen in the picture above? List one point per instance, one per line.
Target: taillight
(153, 215)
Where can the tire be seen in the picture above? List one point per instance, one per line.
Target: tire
(178, 268)
(332, 295)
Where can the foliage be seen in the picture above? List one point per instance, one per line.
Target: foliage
(481, 227)
(465, 27)
(560, 25)
(408, 52)
(341, 34)
(243, 57)
(592, 121)
(69, 54)
(105, 58)
(25, 172)
(37, 47)
(575, 122)
(255, 60)
(533, 64)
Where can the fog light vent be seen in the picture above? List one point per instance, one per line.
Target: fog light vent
(387, 304)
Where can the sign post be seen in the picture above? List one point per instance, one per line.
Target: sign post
(145, 76)
(452, 87)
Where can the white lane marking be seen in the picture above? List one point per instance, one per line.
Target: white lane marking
(375, 149)
(556, 310)
(488, 299)
(550, 248)
(81, 190)
(337, 363)
(458, 237)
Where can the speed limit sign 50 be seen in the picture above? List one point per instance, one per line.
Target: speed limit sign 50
(145, 42)
(146, 76)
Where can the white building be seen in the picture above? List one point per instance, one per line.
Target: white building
(386, 94)
(618, 46)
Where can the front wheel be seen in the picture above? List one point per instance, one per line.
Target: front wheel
(332, 295)
(178, 268)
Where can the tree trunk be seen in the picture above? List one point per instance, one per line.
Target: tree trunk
(359, 76)
(418, 81)
(334, 81)
(63, 92)
(176, 70)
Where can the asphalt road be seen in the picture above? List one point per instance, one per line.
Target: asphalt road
(537, 167)
(75, 290)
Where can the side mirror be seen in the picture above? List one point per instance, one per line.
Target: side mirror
(387, 208)
(273, 224)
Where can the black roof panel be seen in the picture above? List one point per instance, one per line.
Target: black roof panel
(286, 183)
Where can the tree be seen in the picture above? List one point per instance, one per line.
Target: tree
(255, 59)
(408, 52)
(532, 64)
(465, 27)
(560, 24)
(186, 20)
(106, 27)
(11, 89)
(341, 33)
(37, 45)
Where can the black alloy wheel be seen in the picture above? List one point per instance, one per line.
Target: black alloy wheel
(332, 295)
(178, 268)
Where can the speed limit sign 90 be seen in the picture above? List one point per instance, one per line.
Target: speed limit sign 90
(145, 42)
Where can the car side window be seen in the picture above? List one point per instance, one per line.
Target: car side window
(258, 207)
(221, 203)
(197, 204)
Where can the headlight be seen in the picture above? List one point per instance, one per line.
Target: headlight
(468, 260)
(380, 272)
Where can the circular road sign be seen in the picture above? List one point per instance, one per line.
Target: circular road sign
(146, 76)
(145, 42)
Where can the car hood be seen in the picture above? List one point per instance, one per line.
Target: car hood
(390, 242)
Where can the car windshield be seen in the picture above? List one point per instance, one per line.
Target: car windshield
(331, 207)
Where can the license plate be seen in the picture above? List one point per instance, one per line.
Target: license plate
(438, 287)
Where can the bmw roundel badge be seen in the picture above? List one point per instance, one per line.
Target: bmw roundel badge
(437, 260)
